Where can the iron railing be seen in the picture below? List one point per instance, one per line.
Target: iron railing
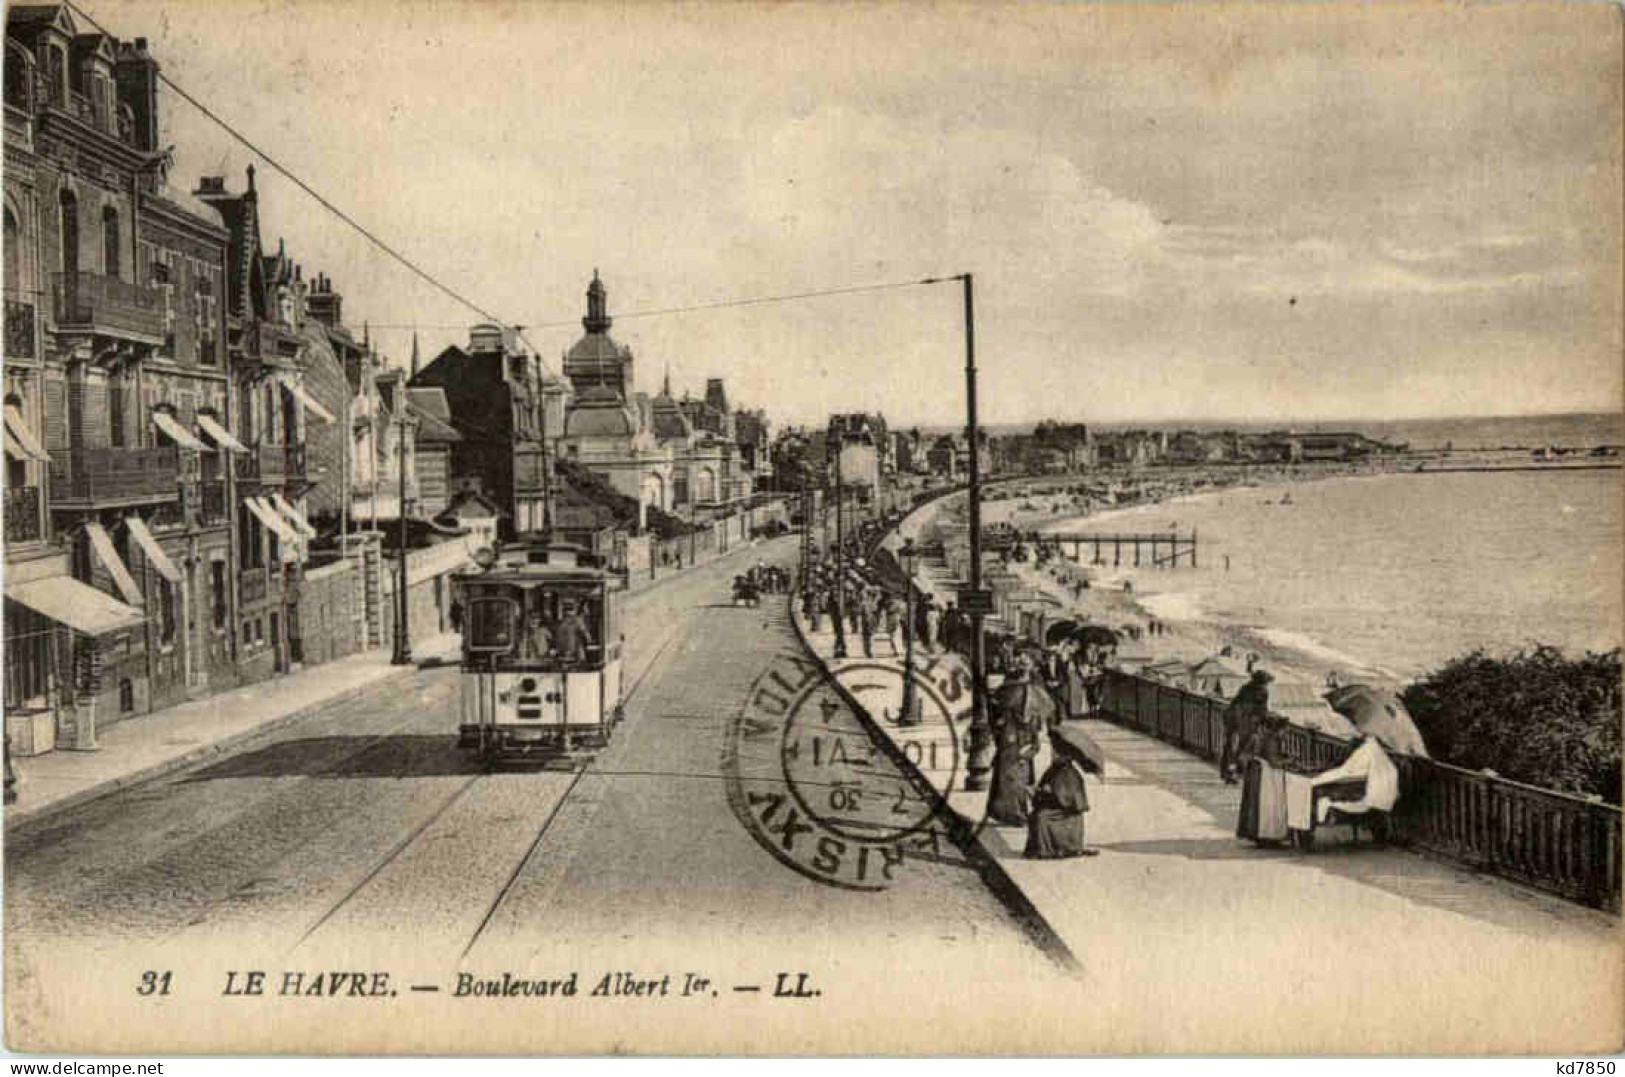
(212, 505)
(23, 520)
(108, 305)
(96, 476)
(1563, 844)
(265, 463)
(19, 329)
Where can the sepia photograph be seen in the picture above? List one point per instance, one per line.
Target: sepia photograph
(813, 529)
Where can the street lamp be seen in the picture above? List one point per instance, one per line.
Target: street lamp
(910, 714)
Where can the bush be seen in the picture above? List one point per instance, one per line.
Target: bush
(1534, 717)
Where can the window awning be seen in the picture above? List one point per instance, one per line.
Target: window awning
(102, 544)
(273, 523)
(221, 436)
(81, 607)
(156, 556)
(177, 433)
(306, 399)
(17, 429)
(292, 515)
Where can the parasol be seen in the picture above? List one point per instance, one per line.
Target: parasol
(1058, 631)
(1095, 635)
(1079, 747)
(888, 573)
(1378, 713)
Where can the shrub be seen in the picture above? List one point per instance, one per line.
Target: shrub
(1534, 716)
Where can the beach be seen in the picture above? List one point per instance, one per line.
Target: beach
(1369, 576)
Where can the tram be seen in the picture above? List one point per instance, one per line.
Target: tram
(542, 652)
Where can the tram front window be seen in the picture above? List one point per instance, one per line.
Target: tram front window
(559, 627)
(491, 625)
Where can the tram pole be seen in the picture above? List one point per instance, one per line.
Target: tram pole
(980, 763)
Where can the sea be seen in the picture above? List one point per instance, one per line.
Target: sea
(1394, 575)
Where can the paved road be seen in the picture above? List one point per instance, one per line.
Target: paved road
(363, 836)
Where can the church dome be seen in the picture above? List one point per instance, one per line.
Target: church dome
(596, 359)
(598, 412)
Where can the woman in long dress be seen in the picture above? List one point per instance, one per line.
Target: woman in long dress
(1262, 817)
(1055, 827)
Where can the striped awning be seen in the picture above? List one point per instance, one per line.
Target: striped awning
(177, 433)
(310, 402)
(292, 515)
(102, 544)
(156, 557)
(27, 443)
(80, 606)
(219, 434)
(273, 522)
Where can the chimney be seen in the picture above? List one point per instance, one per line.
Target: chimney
(326, 305)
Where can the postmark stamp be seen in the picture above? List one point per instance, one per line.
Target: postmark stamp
(824, 796)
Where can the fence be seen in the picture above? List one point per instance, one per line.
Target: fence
(1563, 844)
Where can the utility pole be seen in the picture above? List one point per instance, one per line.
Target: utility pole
(403, 629)
(981, 733)
(840, 558)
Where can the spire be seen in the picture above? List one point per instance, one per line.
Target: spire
(665, 385)
(414, 354)
(366, 336)
(597, 319)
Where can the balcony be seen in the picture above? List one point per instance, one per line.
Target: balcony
(265, 463)
(23, 522)
(108, 307)
(91, 478)
(19, 330)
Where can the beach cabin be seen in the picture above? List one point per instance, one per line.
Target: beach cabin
(1218, 676)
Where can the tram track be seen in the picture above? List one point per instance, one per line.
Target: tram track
(401, 847)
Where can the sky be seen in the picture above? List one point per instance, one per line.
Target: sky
(1264, 213)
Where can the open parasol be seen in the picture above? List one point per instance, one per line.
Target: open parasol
(1378, 713)
(1079, 747)
(1095, 635)
(1059, 631)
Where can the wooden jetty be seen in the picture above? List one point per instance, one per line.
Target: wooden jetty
(1159, 549)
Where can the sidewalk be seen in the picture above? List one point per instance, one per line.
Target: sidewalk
(1198, 937)
(144, 747)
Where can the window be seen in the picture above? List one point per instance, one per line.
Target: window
(14, 269)
(126, 696)
(166, 613)
(160, 270)
(217, 592)
(69, 223)
(115, 412)
(110, 242)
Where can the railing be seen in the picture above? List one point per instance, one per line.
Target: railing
(265, 463)
(108, 304)
(23, 522)
(1559, 843)
(94, 476)
(19, 329)
(294, 461)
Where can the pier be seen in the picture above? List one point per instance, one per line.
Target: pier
(1165, 548)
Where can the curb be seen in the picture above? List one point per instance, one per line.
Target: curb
(965, 834)
(20, 821)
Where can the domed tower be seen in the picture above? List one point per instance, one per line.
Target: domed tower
(596, 360)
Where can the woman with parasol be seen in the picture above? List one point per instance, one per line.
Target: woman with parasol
(1055, 827)
(1021, 712)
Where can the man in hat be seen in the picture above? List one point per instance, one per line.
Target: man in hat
(1055, 827)
(1250, 706)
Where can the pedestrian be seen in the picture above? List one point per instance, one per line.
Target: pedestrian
(1055, 826)
(933, 627)
(866, 626)
(1020, 711)
(811, 604)
(1249, 707)
(889, 624)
